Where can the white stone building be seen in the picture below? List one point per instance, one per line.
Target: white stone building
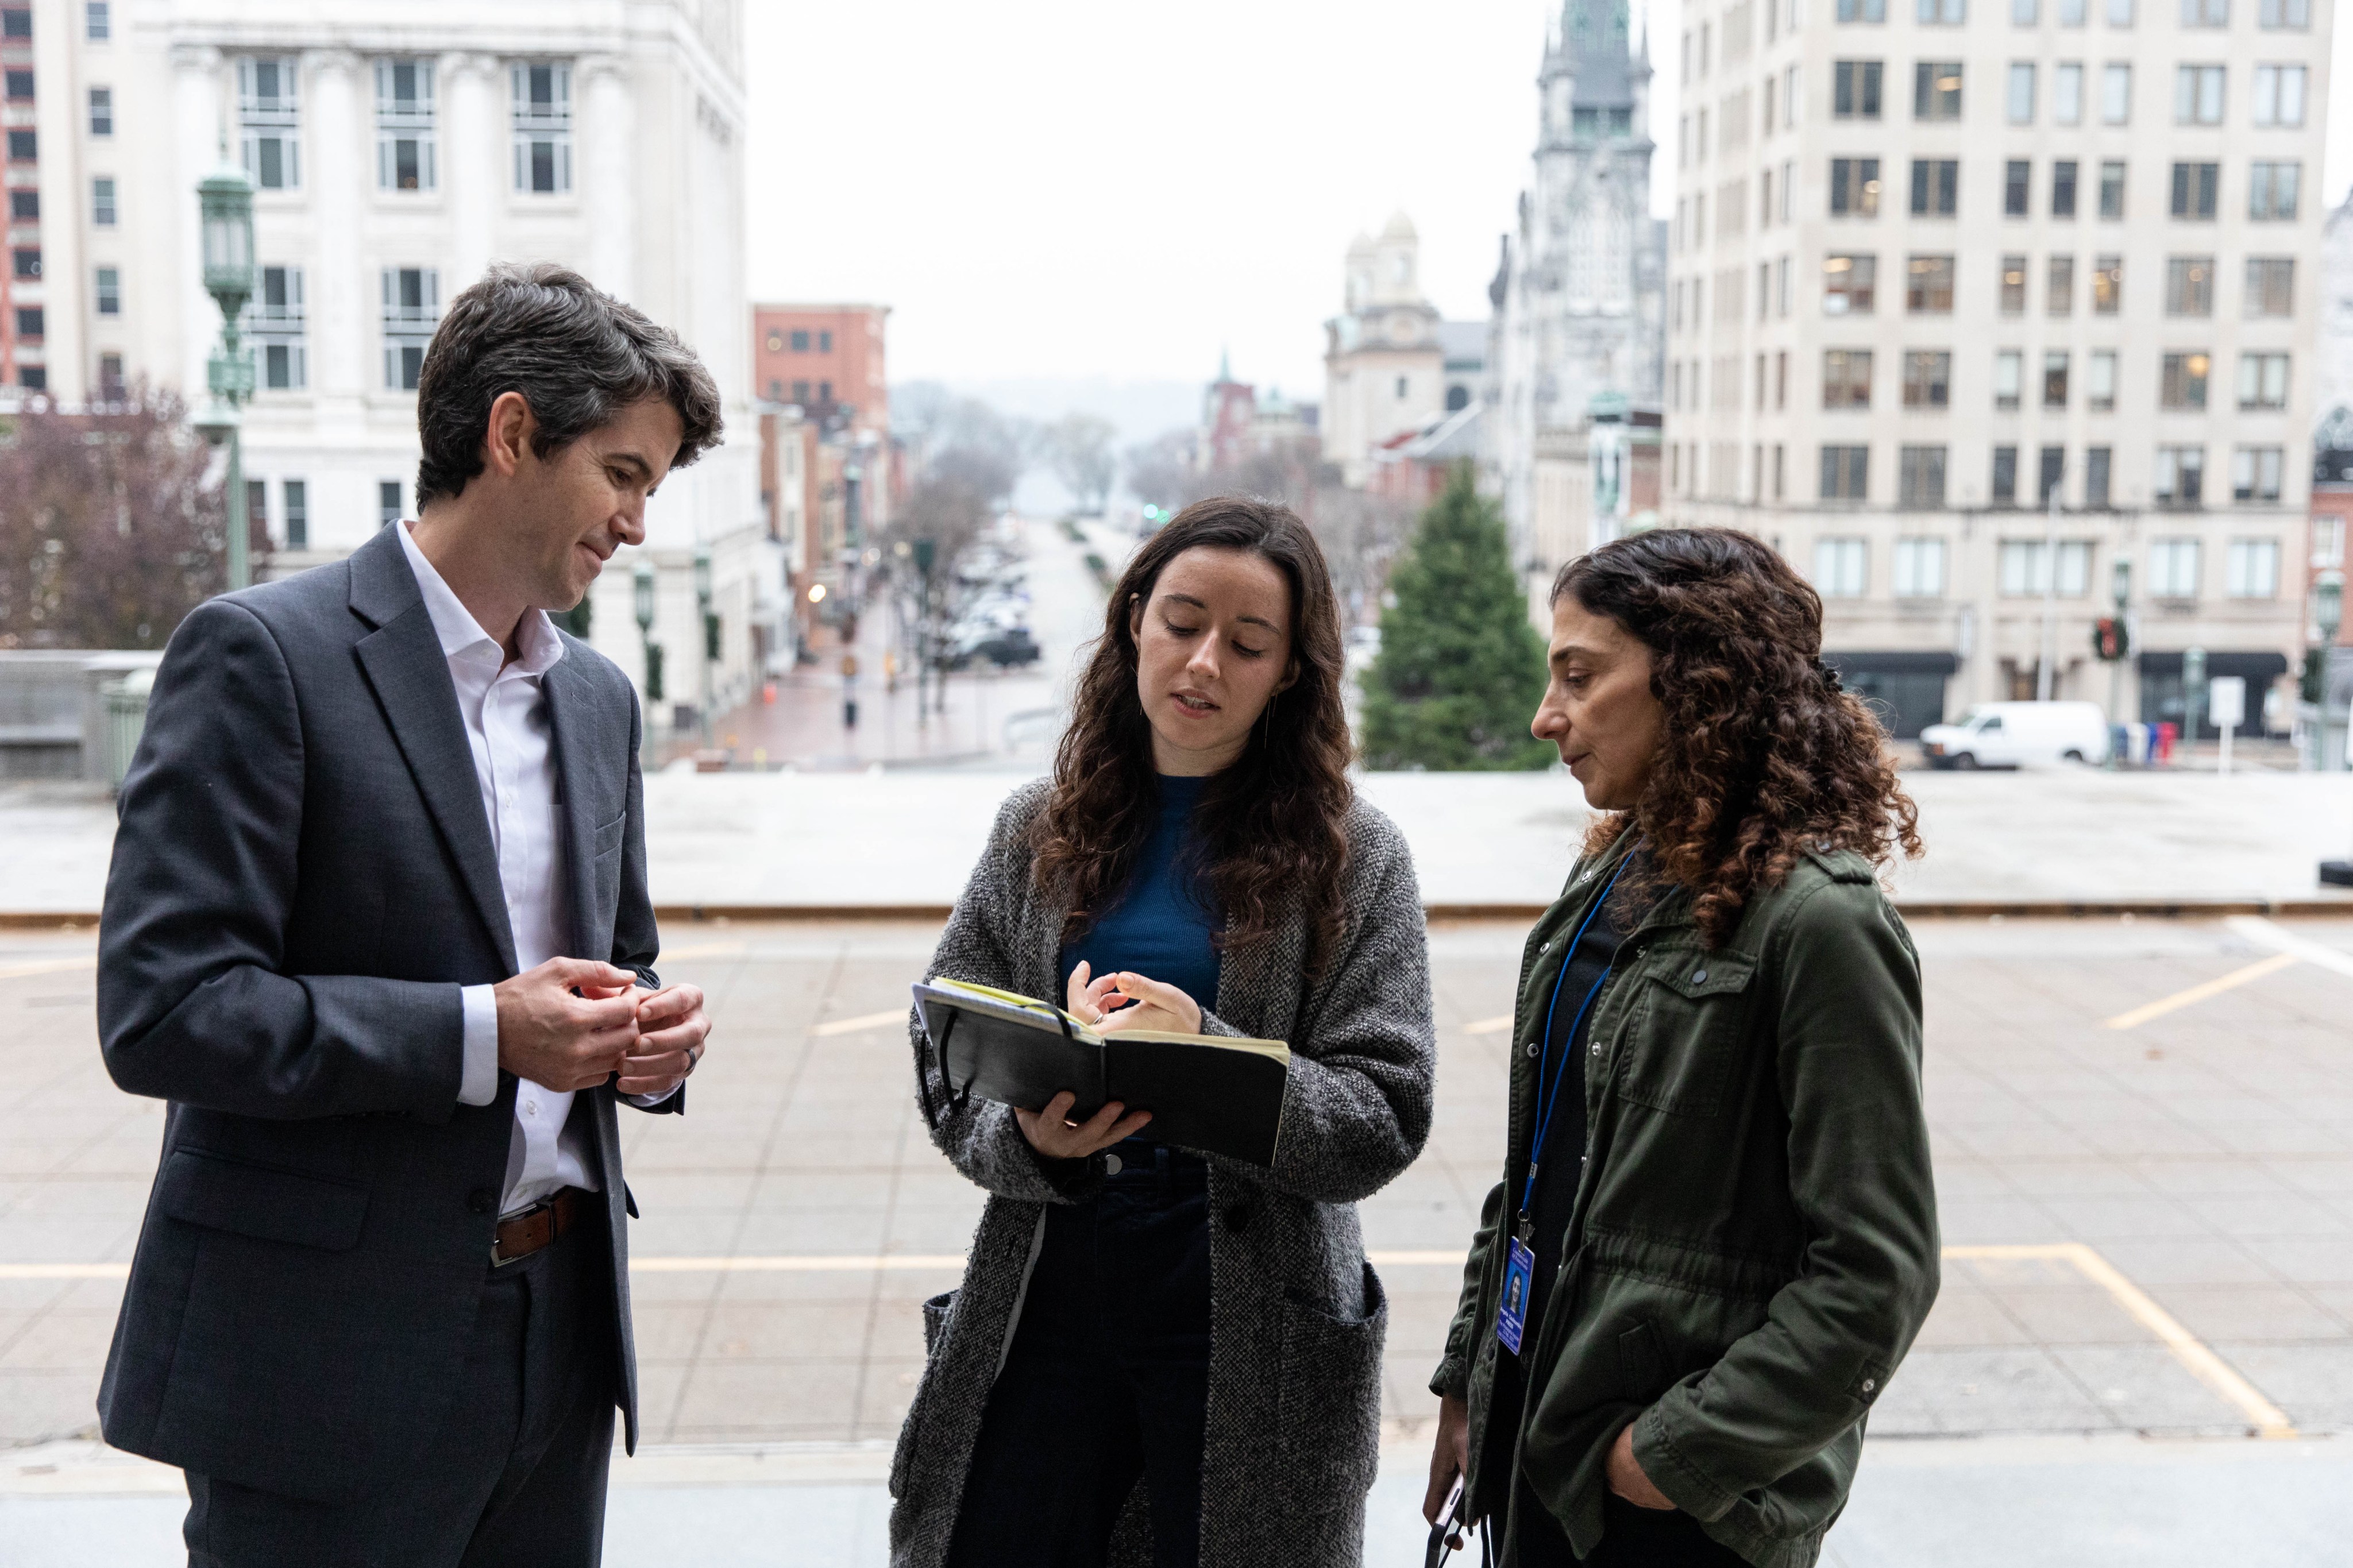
(1580, 297)
(399, 148)
(1384, 365)
(1936, 262)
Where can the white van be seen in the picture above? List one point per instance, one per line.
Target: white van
(2018, 734)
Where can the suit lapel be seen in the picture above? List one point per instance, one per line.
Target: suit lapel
(578, 739)
(404, 664)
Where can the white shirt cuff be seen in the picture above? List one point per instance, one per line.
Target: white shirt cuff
(649, 1100)
(479, 1083)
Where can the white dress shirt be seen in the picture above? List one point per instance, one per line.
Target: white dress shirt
(505, 714)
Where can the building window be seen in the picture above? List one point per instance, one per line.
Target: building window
(23, 147)
(1849, 285)
(2004, 485)
(1935, 187)
(1846, 378)
(2013, 285)
(2198, 95)
(1854, 187)
(1928, 378)
(2271, 285)
(2172, 563)
(97, 21)
(2025, 568)
(33, 377)
(404, 126)
(1941, 13)
(2107, 284)
(1920, 563)
(19, 85)
(801, 393)
(256, 502)
(2279, 95)
(800, 342)
(2054, 468)
(101, 202)
(31, 323)
(2020, 100)
(2071, 13)
(2067, 93)
(2180, 480)
(111, 387)
(2063, 188)
(2017, 187)
(387, 503)
(2059, 285)
(23, 207)
(1928, 286)
(825, 342)
(15, 22)
(1863, 10)
(1854, 90)
(2100, 381)
(2189, 286)
(26, 262)
(1841, 568)
(107, 291)
(1846, 473)
(278, 325)
(268, 115)
(412, 307)
(2272, 192)
(2096, 464)
(542, 128)
(1403, 385)
(297, 497)
(2182, 384)
(2009, 375)
(2205, 13)
(2262, 381)
(2251, 567)
(2195, 189)
(2255, 476)
(2112, 189)
(1936, 90)
(1920, 479)
(2054, 378)
(2327, 542)
(2277, 13)
(2025, 12)
(102, 111)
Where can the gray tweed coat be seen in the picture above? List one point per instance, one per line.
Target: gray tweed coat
(1297, 1314)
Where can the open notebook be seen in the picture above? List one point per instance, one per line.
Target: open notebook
(1213, 1093)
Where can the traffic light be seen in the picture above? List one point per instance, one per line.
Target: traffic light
(2110, 640)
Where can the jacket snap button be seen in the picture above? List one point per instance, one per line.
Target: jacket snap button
(481, 1199)
(1532, 1048)
(1113, 1164)
(1700, 978)
(1868, 1384)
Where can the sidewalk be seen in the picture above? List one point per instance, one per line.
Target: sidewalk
(2070, 841)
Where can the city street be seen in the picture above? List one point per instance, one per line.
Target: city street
(2144, 1135)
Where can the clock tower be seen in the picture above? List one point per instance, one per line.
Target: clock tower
(1384, 370)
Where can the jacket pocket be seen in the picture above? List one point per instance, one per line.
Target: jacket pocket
(1685, 1040)
(937, 1313)
(259, 1201)
(1329, 1407)
(1641, 1365)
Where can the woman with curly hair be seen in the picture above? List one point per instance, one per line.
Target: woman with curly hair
(1716, 1235)
(1157, 1356)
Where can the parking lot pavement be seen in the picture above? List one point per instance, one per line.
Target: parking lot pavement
(2150, 1230)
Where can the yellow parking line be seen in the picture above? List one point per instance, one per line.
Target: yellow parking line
(1489, 1025)
(47, 966)
(2215, 987)
(2268, 1419)
(862, 1022)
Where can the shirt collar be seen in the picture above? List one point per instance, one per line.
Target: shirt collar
(455, 626)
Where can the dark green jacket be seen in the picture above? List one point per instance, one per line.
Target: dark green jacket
(1754, 1240)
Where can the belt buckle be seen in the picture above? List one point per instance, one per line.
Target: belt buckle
(498, 1262)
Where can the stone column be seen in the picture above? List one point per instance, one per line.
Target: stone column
(339, 166)
(604, 131)
(476, 160)
(197, 118)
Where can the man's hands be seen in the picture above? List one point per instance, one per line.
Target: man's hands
(572, 1022)
(1449, 1456)
(671, 1028)
(1626, 1476)
(552, 1036)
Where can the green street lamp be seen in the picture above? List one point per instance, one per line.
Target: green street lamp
(642, 584)
(709, 634)
(2329, 615)
(224, 212)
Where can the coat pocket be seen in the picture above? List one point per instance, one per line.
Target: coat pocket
(937, 1313)
(1328, 1410)
(260, 1201)
(1685, 1044)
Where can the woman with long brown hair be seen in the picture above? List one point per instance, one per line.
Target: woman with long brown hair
(1159, 1356)
(1716, 1233)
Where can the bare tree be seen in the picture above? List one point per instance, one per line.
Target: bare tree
(1077, 448)
(110, 530)
(1161, 472)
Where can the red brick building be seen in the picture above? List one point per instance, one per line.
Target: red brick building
(827, 359)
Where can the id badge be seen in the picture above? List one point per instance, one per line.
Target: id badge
(1512, 1316)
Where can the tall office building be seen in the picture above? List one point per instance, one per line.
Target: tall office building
(1937, 264)
(398, 148)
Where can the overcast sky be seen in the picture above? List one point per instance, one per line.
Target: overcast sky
(1108, 188)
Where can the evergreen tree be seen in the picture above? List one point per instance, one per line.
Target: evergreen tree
(1460, 668)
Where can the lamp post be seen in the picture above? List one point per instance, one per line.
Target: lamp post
(2120, 586)
(926, 554)
(643, 584)
(2328, 613)
(225, 210)
(710, 637)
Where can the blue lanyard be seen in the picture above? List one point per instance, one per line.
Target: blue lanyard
(1547, 1103)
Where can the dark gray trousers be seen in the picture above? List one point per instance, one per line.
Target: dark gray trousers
(515, 1479)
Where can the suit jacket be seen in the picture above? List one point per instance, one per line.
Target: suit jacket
(302, 880)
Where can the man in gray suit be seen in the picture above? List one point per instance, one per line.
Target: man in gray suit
(377, 929)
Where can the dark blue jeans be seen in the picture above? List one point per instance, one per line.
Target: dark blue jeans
(1108, 1380)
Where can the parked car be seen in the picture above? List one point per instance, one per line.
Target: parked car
(1007, 645)
(2018, 734)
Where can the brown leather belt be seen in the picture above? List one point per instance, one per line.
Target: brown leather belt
(535, 1228)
